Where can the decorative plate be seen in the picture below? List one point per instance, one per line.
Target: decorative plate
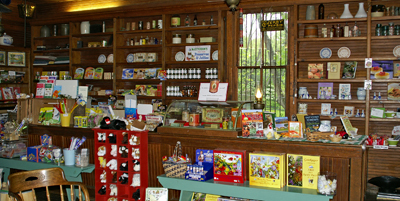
(110, 58)
(396, 51)
(344, 52)
(325, 53)
(102, 58)
(180, 56)
(215, 55)
(130, 58)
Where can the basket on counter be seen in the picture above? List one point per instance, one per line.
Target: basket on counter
(315, 136)
(177, 170)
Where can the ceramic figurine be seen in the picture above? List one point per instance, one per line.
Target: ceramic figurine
(269, 131)
(124, 138)
(358, 113)
(101, 137)
(374, 96)
(134, 140)
(379, 96)
(135, 153)
(102, 162)
(335, 112)
(102, 190)
(112, 138)
(114, 176)
(363, 114)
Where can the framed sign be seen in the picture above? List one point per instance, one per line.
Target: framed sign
(272, 25)
(16, 59)
(198, 53)
(206, 93)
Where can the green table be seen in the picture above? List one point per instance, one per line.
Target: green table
(72, 173)
(187, 188)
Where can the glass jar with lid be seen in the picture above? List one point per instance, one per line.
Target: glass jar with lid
(391, 29)
(175, 20)
(176, 39)
(378, 30)
(385, 30)
(190, 38)
(397, 30)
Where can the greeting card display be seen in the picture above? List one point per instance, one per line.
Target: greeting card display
(325, 90)
(349, 70)
(229, 165)
(325, 108)
(267, 169)
(333, 70)
(344, 91)
(295, 129)
(316, 71)
(302, 170)
(348, 111)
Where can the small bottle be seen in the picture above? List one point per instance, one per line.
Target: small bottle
(374, 96)
(324, 31)
(147, 40)
(141, 40)
(346, 30)
(230, 123)
(128, 42)
(212, 20)
(379, 96)
(136, 41)
(132, 42)
(356, 30)
(335, 112)
(362, 114)
(385, 30)
(195, 20)
(187, 21)
(333, 31)
(204, 22)
(104, 26)
(321, 11)
(338, 31)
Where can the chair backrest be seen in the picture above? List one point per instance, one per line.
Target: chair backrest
(31, 180)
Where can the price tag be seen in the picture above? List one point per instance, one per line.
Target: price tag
(381, 147)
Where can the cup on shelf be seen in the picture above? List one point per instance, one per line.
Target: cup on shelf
(65, 119)
(69, 157)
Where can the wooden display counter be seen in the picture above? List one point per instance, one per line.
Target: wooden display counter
(347, 161)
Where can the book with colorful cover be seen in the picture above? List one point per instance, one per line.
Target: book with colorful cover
(39, 90)
(57, 91)
(98, 73)
(267, 169)
(295, 129)
(344, 91)
(349, 70)
(127, 73)
(16, 91)
(281, 124)
(325, 90)
(382, 70)
(325, 108)
(312, 123)
(139, 73)
(229, 165)
(7, 93)
(302, 171)
(89, 73)
(151, 73)
(48, 90)
(316, 71)
(269, 117)
(252, 123)
(348, 127)
(333, 70)
(79, 72)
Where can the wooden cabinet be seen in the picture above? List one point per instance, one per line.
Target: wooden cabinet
(367, 45)
(121, 45)
(14, 77)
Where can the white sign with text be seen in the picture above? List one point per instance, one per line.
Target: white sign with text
(219, 95)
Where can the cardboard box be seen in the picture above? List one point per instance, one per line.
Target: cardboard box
(33, 153)
(207, 39)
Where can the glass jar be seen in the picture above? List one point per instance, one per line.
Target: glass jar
(378, 30)
(338, 31)
(176, 39)
(391, 29)
(397, 30)
(175, 20)
(385, 30)
(190, 38)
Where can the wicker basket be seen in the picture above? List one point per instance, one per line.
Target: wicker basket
(315, 136)
(175, 169)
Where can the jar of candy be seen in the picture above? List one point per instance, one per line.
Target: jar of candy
(378, 30)
(385, 31)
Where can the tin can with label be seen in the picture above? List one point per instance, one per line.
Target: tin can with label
(194, 119)
(148, 25)
(133, 26)
(159, 24)
(154, 24)
(104, 43)
(140, 25)
(185, 115)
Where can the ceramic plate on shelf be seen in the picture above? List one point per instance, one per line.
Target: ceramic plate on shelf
(180, 56)
(396, 51)
(130, 58)
(344, 52)
(110, 58)
(102, 58)
(215, 55)
(325, 53)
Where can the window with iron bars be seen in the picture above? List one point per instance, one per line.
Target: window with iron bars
(263, 60)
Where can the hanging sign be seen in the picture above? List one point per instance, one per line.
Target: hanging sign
(272, 25)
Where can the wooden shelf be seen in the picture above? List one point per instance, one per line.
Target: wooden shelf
(140, 63)
(188, 80)
(329, 100)
(385, 119)
(51, 38)
(385, 58)
(13, 83)
(384, 37)
(93, 80)
(327, 21)
(52, 66)
(384, 101)
(93, 64)
(92, 34)
(190, 44)
(338, 118)
(386, 80)
(140, 31)
(51, 51)
(92, 48)
(139, 46)
(193, 62)
(188, 28)
(332, 59)
(385, 18)
(331, 39)
(332, 80)
(180, 98)
(140, 80)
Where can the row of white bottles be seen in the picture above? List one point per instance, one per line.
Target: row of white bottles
(183, 73)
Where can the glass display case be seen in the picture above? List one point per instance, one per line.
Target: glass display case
(223, 116)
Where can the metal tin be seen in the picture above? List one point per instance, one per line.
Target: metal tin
(175, 21)
(185, 115)
(154, 24)
(212, 115)
(140, 25)
(214, 85)
(194, 119)
(160, 24)
(148, 25)
(133, 26)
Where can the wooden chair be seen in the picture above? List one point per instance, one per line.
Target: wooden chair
(31, 180)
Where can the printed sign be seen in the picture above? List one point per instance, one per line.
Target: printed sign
(272, 25)
(198, 53)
